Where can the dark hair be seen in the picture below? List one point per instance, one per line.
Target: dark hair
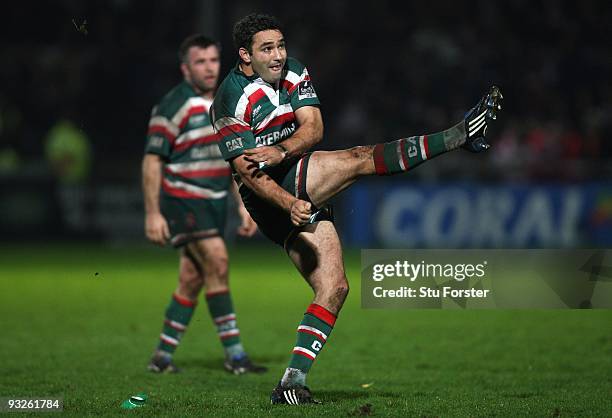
(198, 40)
(248, 26)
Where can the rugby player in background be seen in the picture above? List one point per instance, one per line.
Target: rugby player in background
(186, 182)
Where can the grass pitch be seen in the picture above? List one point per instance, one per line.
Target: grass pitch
(80, 322)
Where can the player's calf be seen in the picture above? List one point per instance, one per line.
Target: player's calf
(314, 330)
(312, 334)
(407, 153)
(178, 315)
(224, 317)
(221, 308)
(222, 313)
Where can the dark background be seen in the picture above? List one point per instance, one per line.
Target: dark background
(383, 70)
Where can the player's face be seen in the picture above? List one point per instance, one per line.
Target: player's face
(269, 55)
(202, 68)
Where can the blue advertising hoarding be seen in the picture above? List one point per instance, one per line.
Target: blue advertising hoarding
(460, 215)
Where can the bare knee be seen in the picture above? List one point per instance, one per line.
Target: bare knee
(333, 295)
(361, 152)
(216, 272)
(220, 267)
(190, 281)
(341, 291)
(212, 260)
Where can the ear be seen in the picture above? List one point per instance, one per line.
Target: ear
(184, 70)
(245, 56)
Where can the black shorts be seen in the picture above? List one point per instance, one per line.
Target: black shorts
(272, 221)
(193, 219)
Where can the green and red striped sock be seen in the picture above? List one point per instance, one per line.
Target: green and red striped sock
(222, 312)
(312, 333)
(405, 154)
(178, 314)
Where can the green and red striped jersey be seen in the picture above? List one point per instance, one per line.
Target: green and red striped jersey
(248, 112)
(180, 131)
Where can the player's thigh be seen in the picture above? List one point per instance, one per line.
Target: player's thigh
(211, 255)
(317, 253)
(330, 172)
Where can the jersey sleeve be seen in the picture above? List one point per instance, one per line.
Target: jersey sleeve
(235, 134)
(161, 135)
(303, 93)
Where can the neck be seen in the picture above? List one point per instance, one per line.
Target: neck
(246, 69)
(210, 95)
(205, 94)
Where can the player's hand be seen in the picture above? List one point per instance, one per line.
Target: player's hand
(248, 227)
(269, 155)
(300, 212)
(156, 228)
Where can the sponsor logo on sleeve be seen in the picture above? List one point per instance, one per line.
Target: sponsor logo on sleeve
(206, 151)
(156, 141)
(197, 120)
(306, 90)
(256, 111)
(234, 144)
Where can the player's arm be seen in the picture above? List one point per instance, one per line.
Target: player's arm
(156, 227)
(247, 227)
(308, 134)
(265, 187)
